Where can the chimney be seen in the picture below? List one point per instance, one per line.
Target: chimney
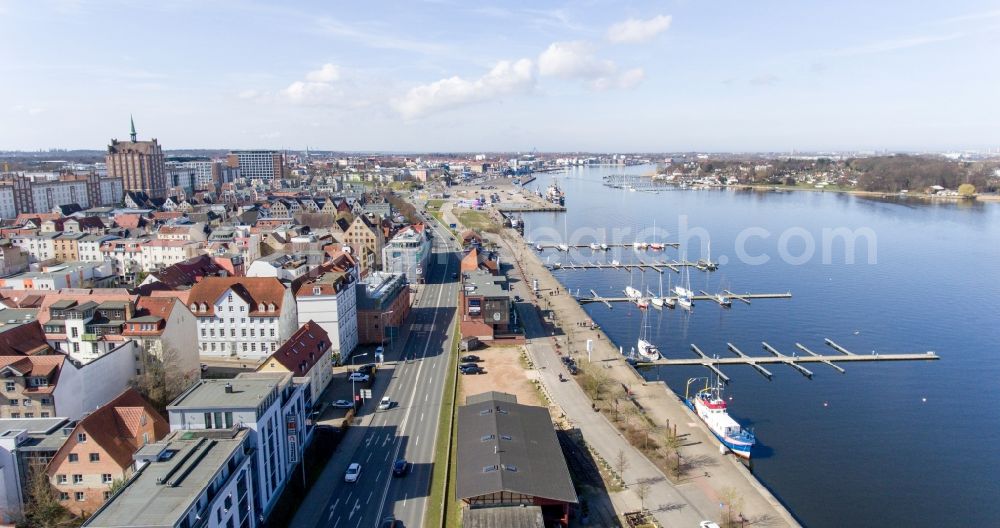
(229, 388)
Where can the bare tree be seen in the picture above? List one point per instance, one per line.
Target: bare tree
(621, 465)
(162, 378)
(642, 491)
(42, 508)
(733, 503)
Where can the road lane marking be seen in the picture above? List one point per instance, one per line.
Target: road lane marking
(387, 455)
(428, 395)
(369, 456)
(417, 440)
(370, 497)
(421, 417)
(406, 416)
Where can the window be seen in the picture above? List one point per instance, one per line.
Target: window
(79, 496)
(81, 437)
(46, 401)
(27, 402)
(29, 415)
(15, 415)
(15, 403)
(45, 415)
(8, 386)
(61, 478)
(106, 478)
(63, 496)
(77, 479)
(73, 457)
(95, 457)
(202, 332)
(107, 495)
(272, 332)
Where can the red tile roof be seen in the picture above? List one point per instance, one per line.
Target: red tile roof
(24, 340)
(306, 346)
(255, 290)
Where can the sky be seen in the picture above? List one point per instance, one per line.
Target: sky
(462, 76)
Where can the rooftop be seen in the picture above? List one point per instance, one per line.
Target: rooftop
(247, 392)
(482, 283)
(165, 488)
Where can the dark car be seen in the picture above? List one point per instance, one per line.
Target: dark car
(465, 366)
(471, 359)
(573, 369)
(367, 369)
(470, 369)
(400, 468)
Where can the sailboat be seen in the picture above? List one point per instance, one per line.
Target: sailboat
(661, 301)
(631, 292)
(684, 293)
(564, 246)
(706, 264)
(644, 349)
(655, 246)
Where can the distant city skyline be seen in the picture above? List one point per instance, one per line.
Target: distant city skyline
(449, 76)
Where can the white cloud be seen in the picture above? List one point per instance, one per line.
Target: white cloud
(319, 87)
(506, 78)
(626, 80)
(326, 74)
(573, 60)
(636, 30)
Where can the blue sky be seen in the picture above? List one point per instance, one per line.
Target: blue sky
(461, 76)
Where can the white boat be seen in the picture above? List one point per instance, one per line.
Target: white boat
(604, 247)
(636, 246)
(684, 293)
(684, 302)
(538, 247)
(615, 263)
(723, 300)
(562, 247)
(709, 404)
(632, 293)
(594, 246)
(646, 350)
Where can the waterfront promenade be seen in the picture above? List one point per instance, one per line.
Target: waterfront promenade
(712, 476)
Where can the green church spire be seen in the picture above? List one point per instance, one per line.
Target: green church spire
(132, 121)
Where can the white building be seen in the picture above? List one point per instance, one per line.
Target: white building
(331, 302)
(408, 253)
(67, 275)
(246, 317)
(7, 207)
(203, 479)
(262, 165)
(271, 406)
(89, 247)
(157, 254)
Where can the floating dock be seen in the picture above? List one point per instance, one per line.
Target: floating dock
(657, 266)
(795, 361)
(744, 297)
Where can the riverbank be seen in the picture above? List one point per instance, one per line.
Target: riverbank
(704, 478)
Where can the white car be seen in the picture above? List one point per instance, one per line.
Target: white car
(385, 404)
(357, 376)
(353, 472)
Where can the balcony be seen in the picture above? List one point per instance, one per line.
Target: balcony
(90, 337)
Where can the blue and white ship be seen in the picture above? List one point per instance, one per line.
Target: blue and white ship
(708, 404)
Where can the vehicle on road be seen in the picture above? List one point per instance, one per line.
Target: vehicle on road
(454, 275)
(359, 377)
(385, 404)
(353, 472)
(391, 522)
(343, 404)
(367, 369)
(400, 467)
(471, 359)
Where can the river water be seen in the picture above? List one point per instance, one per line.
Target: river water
(906, 443)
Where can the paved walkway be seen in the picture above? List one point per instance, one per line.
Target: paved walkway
(696, 499)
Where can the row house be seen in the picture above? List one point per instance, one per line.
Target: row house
(98, 451)
(247, 317)
(157, 254)
(126, 254)
(366, 238)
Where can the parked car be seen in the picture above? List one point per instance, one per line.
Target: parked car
(517, 298)
(385, 404)
(400, 467)
(470, 359)
(353, 472)
(359, 377)
(367, 369)
(474, 369)
(573, 369)
(343, 404)
(391, 522)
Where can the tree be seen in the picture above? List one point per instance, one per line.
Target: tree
(41, 508)
(967, 189)
(162, 378)
(733, 502)
(642, 491)
(621, 465)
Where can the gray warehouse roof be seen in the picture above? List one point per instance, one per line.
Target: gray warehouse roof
(506, 446)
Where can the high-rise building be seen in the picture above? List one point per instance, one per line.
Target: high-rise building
(257, 164)
(140, 165)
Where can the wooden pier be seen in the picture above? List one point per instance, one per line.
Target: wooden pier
(745, 297)
(795, 361)
(659, 266)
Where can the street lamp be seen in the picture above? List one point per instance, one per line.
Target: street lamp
(354, 393)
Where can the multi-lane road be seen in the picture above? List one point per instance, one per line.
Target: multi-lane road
(414, 378)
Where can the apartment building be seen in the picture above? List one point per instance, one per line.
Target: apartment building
(408, 253)
(202, 479)
(307, 354)
(260, 165)
(247, 317)
(271, 405)
(98, 451)
(330, 300)
(383, 304)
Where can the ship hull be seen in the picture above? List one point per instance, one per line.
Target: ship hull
(738, 447)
